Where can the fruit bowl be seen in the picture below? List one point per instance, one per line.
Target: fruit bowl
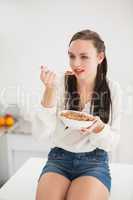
(76, 119)
(8, 123)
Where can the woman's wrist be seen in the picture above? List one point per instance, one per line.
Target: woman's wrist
(49, 97)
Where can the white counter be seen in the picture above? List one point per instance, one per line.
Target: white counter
(23, 184)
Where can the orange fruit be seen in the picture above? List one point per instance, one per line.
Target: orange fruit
(9, 121)
(2, 121)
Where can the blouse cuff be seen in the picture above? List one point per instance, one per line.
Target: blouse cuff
(50, 110)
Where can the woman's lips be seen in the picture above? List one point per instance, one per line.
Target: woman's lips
(79, 71)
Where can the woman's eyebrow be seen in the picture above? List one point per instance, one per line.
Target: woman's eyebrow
(69, 52)
(82, 54)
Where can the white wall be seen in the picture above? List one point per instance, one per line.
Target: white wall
(36, 32)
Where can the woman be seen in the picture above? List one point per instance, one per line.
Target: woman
(78, 162)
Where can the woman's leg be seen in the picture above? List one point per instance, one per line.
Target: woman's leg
(52, 186)
(87, 188)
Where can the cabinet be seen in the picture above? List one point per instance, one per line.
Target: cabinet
(17, 148)
(3, 159)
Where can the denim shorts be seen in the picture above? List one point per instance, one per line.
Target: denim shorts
(73, 165)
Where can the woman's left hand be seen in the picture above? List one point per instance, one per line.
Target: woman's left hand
(96, 127)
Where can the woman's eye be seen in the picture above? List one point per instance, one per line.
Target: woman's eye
(84, 57)
(72, 57)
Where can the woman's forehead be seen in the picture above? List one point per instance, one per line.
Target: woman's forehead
(81, 47)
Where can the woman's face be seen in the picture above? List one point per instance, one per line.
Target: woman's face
(84, 59)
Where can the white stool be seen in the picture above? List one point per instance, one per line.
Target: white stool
(23, 184)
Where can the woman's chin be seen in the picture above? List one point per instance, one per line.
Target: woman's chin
(81, 76)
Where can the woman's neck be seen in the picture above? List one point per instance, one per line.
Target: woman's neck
(85, 85)
(85, 89)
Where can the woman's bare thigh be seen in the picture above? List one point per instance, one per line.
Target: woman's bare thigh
(87, 188)
(52, 186)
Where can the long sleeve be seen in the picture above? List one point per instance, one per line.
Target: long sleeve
(45, 119)
(109, 137)
(44, 123)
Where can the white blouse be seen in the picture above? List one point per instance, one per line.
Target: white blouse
(48, 128)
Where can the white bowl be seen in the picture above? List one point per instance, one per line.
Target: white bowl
(75, 124)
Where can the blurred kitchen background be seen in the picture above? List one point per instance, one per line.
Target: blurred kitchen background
(38, 32)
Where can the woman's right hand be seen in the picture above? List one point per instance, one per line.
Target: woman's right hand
(48, 77)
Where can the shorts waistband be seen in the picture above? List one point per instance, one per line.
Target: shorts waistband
(97, 152)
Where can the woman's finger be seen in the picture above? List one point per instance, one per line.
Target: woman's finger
(44, 68)
(90, 128)
(42, 75)
(68, 72)
(93, 126)
(47, 76)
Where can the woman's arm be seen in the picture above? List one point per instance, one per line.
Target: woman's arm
(108, 138)
(44, 123)
(48, 99)
(44, 120)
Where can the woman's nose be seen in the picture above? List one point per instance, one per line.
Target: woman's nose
(76, 63)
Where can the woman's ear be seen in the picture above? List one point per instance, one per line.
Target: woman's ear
(100, 57)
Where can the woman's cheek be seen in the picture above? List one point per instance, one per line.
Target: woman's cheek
(71, 64)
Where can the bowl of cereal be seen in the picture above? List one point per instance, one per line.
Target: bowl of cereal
(76, 119)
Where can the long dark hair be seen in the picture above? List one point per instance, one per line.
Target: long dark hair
(101, 97)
